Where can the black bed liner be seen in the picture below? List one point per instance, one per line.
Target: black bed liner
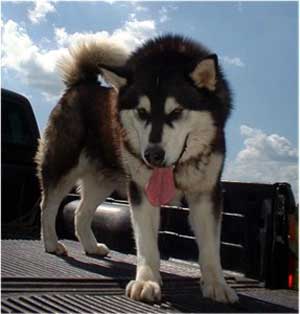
(35, 282)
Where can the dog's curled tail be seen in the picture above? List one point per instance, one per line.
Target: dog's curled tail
(83, 59)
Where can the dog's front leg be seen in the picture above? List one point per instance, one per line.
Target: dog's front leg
(205, 219)
(145, 221)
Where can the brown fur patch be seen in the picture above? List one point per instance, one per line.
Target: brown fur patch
(62, 141)
(103, 132)
(84, 120)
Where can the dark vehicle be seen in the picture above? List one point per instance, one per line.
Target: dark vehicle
(254, 248)
(20, 190)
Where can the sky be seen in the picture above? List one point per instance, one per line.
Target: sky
(256, 43)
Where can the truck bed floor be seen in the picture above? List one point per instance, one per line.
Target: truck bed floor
(34, 282)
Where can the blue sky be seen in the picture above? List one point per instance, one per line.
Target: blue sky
(257, 44)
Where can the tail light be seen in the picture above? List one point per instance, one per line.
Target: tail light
(293, 252)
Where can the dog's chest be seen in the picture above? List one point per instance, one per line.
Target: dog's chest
(199, 174)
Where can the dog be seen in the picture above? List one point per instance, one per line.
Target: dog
(157, 131)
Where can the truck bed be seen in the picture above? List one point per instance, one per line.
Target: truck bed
(35, 282)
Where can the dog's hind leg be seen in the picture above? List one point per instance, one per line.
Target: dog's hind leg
(94, 191)
(51, 199)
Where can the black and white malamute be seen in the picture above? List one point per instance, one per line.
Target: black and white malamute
(160, 133)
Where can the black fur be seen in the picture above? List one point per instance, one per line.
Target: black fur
(135, 194)
(217, 199)
(161, 68)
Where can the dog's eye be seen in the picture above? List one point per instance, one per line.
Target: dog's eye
(175, 114)
(142, 113)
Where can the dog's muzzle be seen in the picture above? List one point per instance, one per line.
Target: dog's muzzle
(155, 156)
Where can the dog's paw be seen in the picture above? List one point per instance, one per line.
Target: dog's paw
(147, 291)
(101, 250)
(58, 249)
(219, 291)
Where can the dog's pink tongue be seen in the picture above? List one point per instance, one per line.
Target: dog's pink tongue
(161, 189)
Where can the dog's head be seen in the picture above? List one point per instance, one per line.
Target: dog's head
(173, 88)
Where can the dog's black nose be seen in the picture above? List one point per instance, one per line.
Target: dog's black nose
(155, 156)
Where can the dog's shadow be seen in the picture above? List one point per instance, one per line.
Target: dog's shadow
(179, 292)
(106, 268)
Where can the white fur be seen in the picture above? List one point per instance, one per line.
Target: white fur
(115, 80)
(51, 200)
(137, 131)
(171, 104)
(145, 220)
(94, 189)
(128, 118)
(196, 127)
(136, 168)
(207, 231)
(144, 102)
(201, 130)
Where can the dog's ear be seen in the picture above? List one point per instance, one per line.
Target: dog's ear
(115, 75)
(204, 73)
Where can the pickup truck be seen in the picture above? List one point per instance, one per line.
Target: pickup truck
(255, 244)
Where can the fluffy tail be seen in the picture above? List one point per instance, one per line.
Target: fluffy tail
(81, 64)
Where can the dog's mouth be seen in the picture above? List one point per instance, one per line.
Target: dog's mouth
(160, 189)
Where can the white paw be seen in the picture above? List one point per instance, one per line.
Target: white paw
(101, 250)
(147, 291)
(219, 291)
(58, 249)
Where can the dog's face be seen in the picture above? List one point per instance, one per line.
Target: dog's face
(163, 105)
(160, 111)
(157, 131)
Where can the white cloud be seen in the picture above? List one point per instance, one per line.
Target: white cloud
(64, 39)
(233, 61)
(40, 10)
(17, 47)
(132, 34)
(36, 67)
(163, 15)
(140, 8)
(110, 1)
(265, 147)
(135, 32)
(264, 158)
(164, 12)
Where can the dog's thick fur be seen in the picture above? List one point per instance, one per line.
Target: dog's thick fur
(170, 94)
